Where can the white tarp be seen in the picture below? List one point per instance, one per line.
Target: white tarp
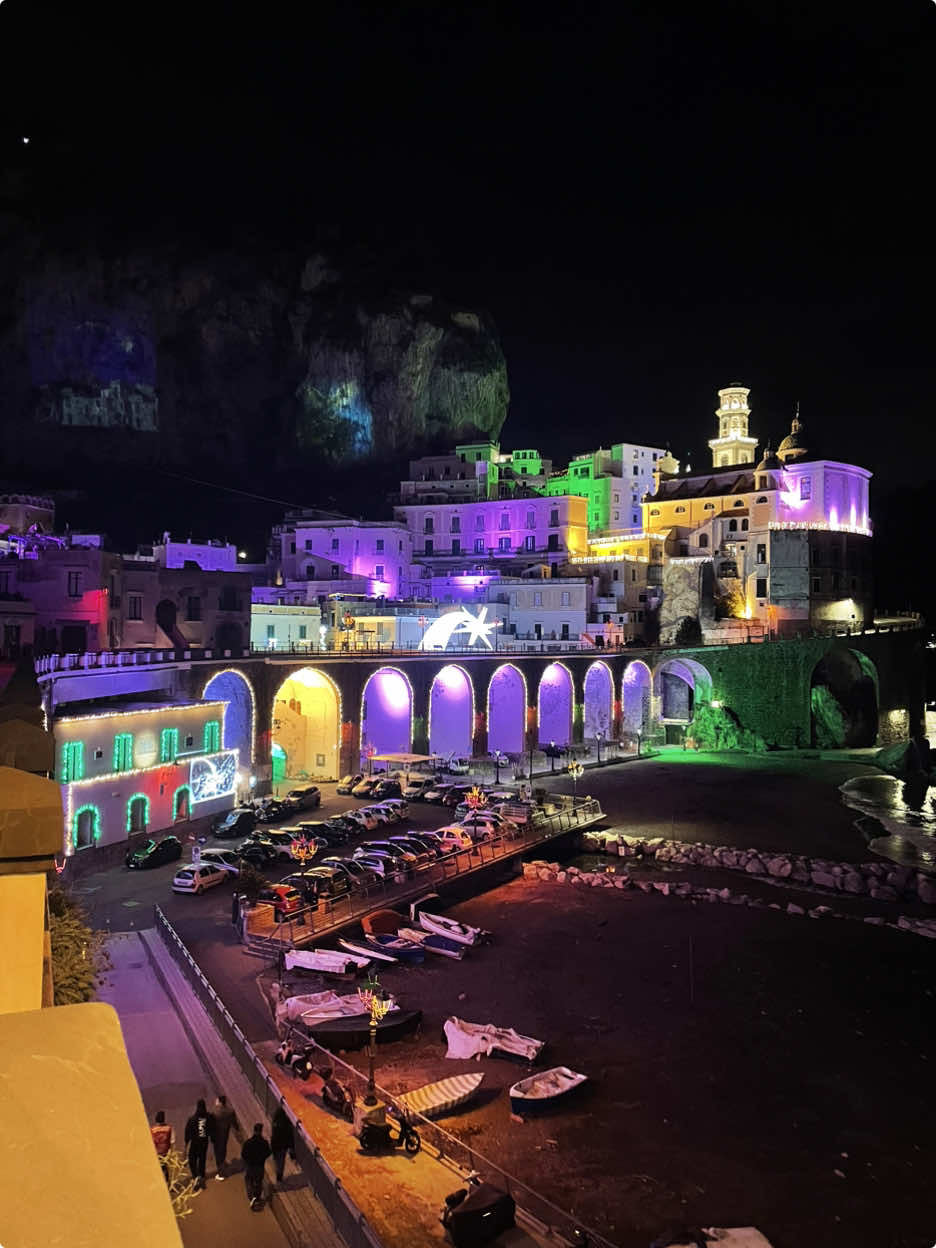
(474, 1039)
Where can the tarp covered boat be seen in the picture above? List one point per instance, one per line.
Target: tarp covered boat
(540, 1092)
(442, 945)
(317, 1007)
(354, 1032)
(480, 1217)
(435, 1099)
(327, 962)
(474, 1039)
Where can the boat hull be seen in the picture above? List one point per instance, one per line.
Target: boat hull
(436, 1099)
(404, 951)
(354, 1032)
(440, 945)
(365, 951)
(533, 1095)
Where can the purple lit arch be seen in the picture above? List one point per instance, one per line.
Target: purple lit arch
(554, 705)
(451, 712)
(386, 713)
(635, 698)
(599, 701)
(506, 710)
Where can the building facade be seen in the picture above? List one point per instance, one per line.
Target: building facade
(374, 556)
(613, 483)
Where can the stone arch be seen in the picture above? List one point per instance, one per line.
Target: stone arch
(386, 713)
(599, 701)
(843, 698)
(554, 704)
(240, 713)
(680, 684)
(451, 712)
(307, 723)
(507, 710)
(636, 688)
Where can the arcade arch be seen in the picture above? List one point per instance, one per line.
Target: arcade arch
(680, 684)
(506, 710)
(451, 712)
(386, 714)
(599, 701)
(554, 705)
(635, 698)
(306, 725)
(240, 714)
(843, 700)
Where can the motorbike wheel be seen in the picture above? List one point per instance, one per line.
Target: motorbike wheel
(412, 1143)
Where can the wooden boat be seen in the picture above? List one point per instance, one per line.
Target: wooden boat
(538, 1092)
(327, 962)
(436, 1099)
(382, 921)
(406, 951)
(439, 925)
(474, 1039)
(365, 951)
(354, 1032)
(441, 945)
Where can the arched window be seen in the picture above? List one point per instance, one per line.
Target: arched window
(680, 511)
(86, 826)
(732, 526)
(181, 803)
(709, 507)
(138, 809)
(762, 499)
(744, 523)
(654, 511)
(739, 502)
(703, 541)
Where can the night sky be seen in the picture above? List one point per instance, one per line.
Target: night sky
(652, 200)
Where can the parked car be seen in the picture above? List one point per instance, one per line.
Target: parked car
(364, 821)
(338, 831)
(281, 839)
(421, 854)
(238, 822)
(388, 788)
(154, 853)
(455, 795)
(365, 787)
(270, 809)
(436, 790)
(454, 836)
(320, 884)
(284, 899)
(415, 786)
(480, 828)
(259, 853)
(358, 875)
(383, 866)
(347, 783)
(197, 877)
(393, 813)
(399, 804)
(224, 859)
(305, 799)
(380, 813)
(458, 766)
(386, 847)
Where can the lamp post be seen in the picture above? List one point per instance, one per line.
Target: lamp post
(575, 770)
(369, 752)
(598, 735)
(422, 622)
(552, 757)
(499, 759)
(376, 1005)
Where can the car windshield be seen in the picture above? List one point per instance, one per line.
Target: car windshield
(186, 874)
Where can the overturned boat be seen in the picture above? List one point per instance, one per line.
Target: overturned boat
(540, 1092)
(353, 1032)
(335, 962)
(441, 945)
(435, 1099)
(477, 1039)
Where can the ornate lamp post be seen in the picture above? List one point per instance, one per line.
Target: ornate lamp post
(500, 758)
(474, 798)
(376, 1005)
(575, 770)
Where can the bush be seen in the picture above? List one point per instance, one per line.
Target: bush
(828, 718)
(79, 956)
(718, 728)
(689, 632)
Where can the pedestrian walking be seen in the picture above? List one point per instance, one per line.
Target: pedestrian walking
(224, 1120)
(199, 1131)
(163, 1140)
(254, 1154)
(282, 1139)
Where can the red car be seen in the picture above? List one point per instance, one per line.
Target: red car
(284, 900)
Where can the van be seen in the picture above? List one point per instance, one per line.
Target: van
(416, 786)
(320, 884)
(458, 766)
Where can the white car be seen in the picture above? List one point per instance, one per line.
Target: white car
(384, 867)
(365, 822)
(379, 813)
(454, 836)
(415, 786)
(480, 828)
(458, 766)
(223, 859)
(195, 878)
(394, 813)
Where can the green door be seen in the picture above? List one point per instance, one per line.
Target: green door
(279, 763)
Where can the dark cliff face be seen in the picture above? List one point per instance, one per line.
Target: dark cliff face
(246, 363)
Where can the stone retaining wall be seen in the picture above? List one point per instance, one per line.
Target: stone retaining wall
(881, 881)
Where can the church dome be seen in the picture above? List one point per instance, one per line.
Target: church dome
(793, 445)
(770, 462)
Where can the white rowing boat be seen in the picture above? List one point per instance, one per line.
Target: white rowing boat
(439, 925)
(543, 1090)
(435, 1099)
(365, 951)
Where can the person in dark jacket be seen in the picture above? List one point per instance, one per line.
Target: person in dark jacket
(254, 1153)
(199, 1132)
(224, 1119)
(282, 1139)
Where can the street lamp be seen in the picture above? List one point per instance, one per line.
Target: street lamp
(575, 770)
(369, 752)
(552, 757)
(598, 735)
(376, 1005)
(500, 758)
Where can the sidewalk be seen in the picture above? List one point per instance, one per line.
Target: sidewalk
(171, 1077)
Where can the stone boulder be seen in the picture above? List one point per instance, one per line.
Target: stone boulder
(882, 892)
(779, 867)
(823, 879)
(853, 882)
(754, 866)
(926, 890)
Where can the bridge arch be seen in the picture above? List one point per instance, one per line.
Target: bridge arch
(386, 714)
(844, 699)
(554, 704)
(240, 714)
(680, 684)
(636, 690)
(451, 712)
(306, 725)
(507, 709)
(599, 701)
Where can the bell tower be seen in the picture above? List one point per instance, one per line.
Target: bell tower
(733, 446)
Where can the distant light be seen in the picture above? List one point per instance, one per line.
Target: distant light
(242, 554)
(25, 137)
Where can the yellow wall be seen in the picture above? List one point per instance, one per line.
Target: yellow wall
(22, 937)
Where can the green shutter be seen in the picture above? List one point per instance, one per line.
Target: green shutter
(168, 745)
(212, 737)
(72, 761)
(123, 751)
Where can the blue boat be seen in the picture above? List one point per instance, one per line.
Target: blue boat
(433, 944)
(406, 951)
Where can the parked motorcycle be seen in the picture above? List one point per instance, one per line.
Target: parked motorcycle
(299, 1061)
(335, 1095)
(376, 1137)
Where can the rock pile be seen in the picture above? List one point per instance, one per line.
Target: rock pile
(880, 881)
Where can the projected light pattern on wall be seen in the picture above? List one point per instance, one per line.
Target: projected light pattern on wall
(213, 775)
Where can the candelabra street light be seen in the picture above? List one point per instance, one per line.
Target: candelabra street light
(575, 770)
(376, 1005)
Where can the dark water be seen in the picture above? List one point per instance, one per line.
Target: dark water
(897, 817)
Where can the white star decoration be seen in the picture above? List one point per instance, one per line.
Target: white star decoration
(478, 628)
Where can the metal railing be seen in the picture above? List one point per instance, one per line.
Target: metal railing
(449, 1149)
(407, 884)
(349, 1221)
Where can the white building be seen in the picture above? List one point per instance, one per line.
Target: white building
(285, 627)
(374, 557)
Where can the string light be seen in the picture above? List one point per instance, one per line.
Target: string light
(146, 811)
(232, 671)
(820, 526)
(174, 708)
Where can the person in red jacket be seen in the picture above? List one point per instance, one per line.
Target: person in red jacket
(163, 1140)
(254, 1153)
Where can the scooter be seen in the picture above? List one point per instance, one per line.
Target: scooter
(298, 1060)
(376, 1137)
(335, 1095)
